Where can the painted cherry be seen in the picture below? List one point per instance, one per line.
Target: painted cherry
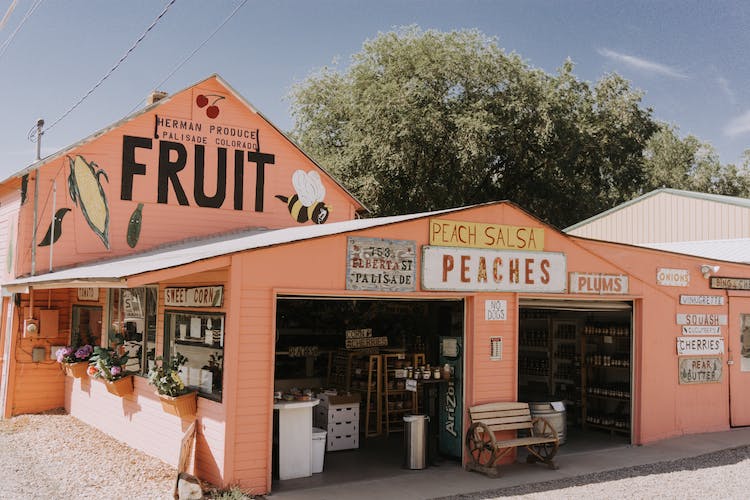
(212, 111)
(202, 101)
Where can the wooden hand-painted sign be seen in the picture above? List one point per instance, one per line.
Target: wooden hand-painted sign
(702, 370)
(382, 265)
(473, 269)
(483, 235)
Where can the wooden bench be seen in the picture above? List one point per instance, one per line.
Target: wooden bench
(485, 451)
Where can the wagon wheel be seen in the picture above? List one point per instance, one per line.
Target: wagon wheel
(542, 428)
(543, 452)
(480, 441)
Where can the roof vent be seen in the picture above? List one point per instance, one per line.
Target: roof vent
(156, 95)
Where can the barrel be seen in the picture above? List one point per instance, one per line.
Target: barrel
(556, 418)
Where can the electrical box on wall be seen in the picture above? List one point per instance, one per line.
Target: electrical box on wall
(49, 327)
(37, 354)
(31, 328)
(53, 351)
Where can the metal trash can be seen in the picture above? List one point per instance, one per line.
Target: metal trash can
(556, 418)
(415, 441)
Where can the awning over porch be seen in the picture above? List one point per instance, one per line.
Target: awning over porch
(115, 273)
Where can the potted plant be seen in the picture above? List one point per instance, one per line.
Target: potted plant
(74, 360)
(174, 396)
(107, 365)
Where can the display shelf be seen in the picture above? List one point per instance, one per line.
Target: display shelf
(606, 377)
(614, 398)
(396, 399)
(611, 428)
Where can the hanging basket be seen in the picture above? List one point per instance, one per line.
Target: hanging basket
(182, 406)
(120, 387)
(75, 370)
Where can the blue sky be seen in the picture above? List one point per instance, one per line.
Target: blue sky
(689, 57)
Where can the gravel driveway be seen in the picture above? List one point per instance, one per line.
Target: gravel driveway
(723, 474)
(56, 456)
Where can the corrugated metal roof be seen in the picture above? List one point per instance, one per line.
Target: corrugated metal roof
(735, 250)
(116, 270)
(717, 198)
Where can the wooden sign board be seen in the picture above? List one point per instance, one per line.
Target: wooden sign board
(701, 319)
(698, 346)
(202, 296)
(474, 269)
(700, 370)
(449, 233)
(702, 300)
(381, 265)
(722, 283)
(672, 277)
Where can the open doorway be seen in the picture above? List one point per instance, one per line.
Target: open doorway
(575, 369)
(357, 354)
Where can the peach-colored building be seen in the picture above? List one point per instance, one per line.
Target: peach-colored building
(196, 227)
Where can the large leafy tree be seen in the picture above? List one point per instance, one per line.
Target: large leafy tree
(424, 120)
(693, 165)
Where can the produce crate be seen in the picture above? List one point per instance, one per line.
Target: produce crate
(342, 424)
(342, 442)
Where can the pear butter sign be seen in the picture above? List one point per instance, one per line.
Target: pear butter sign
(702, 370)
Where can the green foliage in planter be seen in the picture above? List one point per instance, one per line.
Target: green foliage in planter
(165, 376)
(107, 364)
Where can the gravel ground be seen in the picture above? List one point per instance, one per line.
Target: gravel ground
(723, 474)
(56, 456)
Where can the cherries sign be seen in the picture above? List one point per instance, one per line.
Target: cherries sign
(202, 100)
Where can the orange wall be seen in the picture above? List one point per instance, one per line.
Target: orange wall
(126, 182)
(35, 387)
(666, 407)
(317, 267)
(138, 419)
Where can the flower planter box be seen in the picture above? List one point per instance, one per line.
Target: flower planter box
(182, 406)
(120, 387)
(75, 370)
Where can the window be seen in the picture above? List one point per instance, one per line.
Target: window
(132, 324)
(199, 336)
(86, 325)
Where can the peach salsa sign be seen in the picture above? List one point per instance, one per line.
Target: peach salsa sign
(449, 233)
(472, 269)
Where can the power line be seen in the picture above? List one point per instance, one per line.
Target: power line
(8, 40)
(204, 42)
(8, 12)
(117, 65)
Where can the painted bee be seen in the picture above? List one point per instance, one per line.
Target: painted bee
(307, 203)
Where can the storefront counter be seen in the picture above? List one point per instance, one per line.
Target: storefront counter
(295, 438)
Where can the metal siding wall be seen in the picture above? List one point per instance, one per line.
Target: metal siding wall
(667, 217)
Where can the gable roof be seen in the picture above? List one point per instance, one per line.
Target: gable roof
(734, 250)
(116, 271)
(716, 198)
(160, 102)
